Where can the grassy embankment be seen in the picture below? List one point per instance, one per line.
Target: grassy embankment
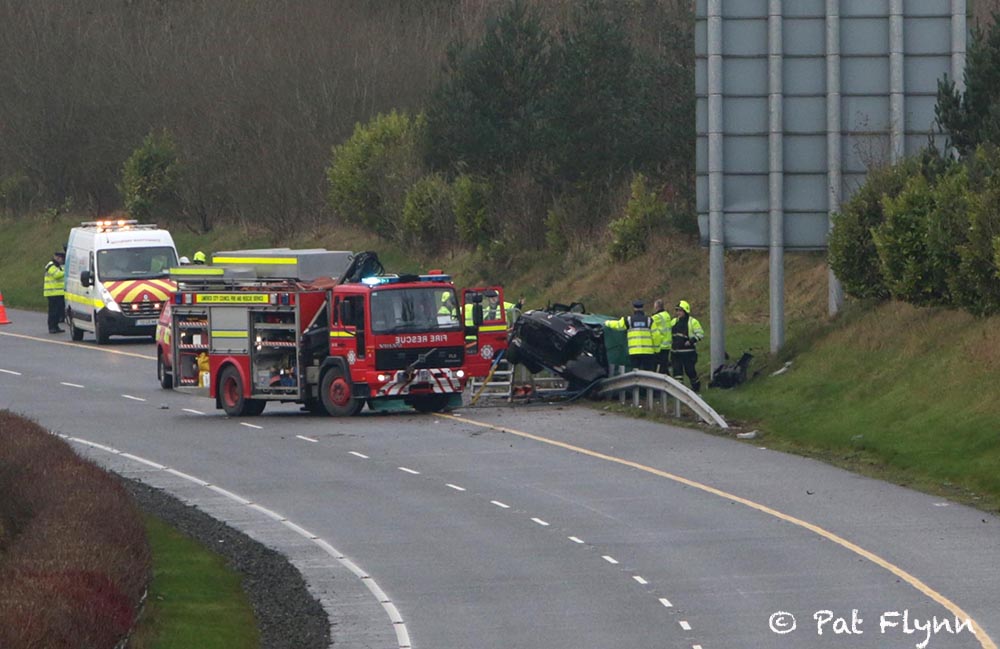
(194, 599)
(890, 390)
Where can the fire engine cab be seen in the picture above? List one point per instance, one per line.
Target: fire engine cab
(326, 329)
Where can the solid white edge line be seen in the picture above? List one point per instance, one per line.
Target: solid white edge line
(228, 494)
(500, 504)
(410, 471)
(361, 455)
(540, 522)
(129, 396)
(308, 439)
(70, 385)
(640, 579)
(609, 559)
(455, 486)
(192, 411)
(141, 460)
(696, 646)
(243, 423)
(11, 372)
(684, 625)
(399, 627)
(575, 539)
(191, 478)
(666, 602)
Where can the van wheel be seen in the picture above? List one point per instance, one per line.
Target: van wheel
(337, 395)
(164, 377)
(75, 333)
(99, 333)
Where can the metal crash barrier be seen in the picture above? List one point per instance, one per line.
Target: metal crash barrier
(658, 388)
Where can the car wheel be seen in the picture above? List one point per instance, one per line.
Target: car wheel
(337, 395)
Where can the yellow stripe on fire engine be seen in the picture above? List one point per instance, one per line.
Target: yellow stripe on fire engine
(197, 271)
(341, 334)
(493, 328)
(222, 333)
(255, 260)
(234, 298)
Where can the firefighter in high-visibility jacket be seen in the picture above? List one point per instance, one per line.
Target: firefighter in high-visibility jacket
(686, 332)
(639, 336)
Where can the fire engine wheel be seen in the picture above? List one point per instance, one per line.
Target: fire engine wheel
(337, 395)
(430, 403)
(166, 380)
(231, 396)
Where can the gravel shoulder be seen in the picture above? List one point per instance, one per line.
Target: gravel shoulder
(289, 617)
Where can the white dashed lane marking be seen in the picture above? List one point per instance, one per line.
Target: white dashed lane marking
(243, 423)
(640, 579)
(685, 625)
(575, 539)
(308, 439)
(70, 385)
(610, 560)
(500, 504)
(540, 522)
(12, 372)
(193, 412)
(129, 396)
(666, 602)
(410, 471)
(455, 487)
(361, 455)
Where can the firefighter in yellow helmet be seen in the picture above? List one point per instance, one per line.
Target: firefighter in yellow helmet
(685, 333)
(638, 335)
(199, 258)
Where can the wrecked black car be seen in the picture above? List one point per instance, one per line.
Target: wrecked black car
(563, 339)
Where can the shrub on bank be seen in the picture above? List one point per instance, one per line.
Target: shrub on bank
(74, 559)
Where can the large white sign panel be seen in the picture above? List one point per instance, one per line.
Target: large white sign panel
(793, 88)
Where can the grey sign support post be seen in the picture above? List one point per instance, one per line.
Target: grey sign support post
(716, 234)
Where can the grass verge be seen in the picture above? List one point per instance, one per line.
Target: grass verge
(194, 599)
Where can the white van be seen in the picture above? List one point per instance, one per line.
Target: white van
(116, 278)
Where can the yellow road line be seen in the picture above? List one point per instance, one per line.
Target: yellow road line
(79, 346)
(984, 640)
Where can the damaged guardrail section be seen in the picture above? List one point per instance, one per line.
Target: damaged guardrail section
(658, 388)
(74, 559)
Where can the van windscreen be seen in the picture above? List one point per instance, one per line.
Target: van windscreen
(134, 263)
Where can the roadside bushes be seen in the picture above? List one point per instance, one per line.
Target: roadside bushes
(924, 232)
(74, 560)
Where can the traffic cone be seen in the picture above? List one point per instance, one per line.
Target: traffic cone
(3, 311)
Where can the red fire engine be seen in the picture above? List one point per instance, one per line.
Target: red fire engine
(248, 329)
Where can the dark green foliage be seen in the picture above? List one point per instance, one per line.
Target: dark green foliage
(150, 178)
(851, 249)
(15, 193)
(644, 213)
(489, 111)
(977, 285)
(471, 202)
(429, 213)
(370, 174)
(972, 117)
(917, 241)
